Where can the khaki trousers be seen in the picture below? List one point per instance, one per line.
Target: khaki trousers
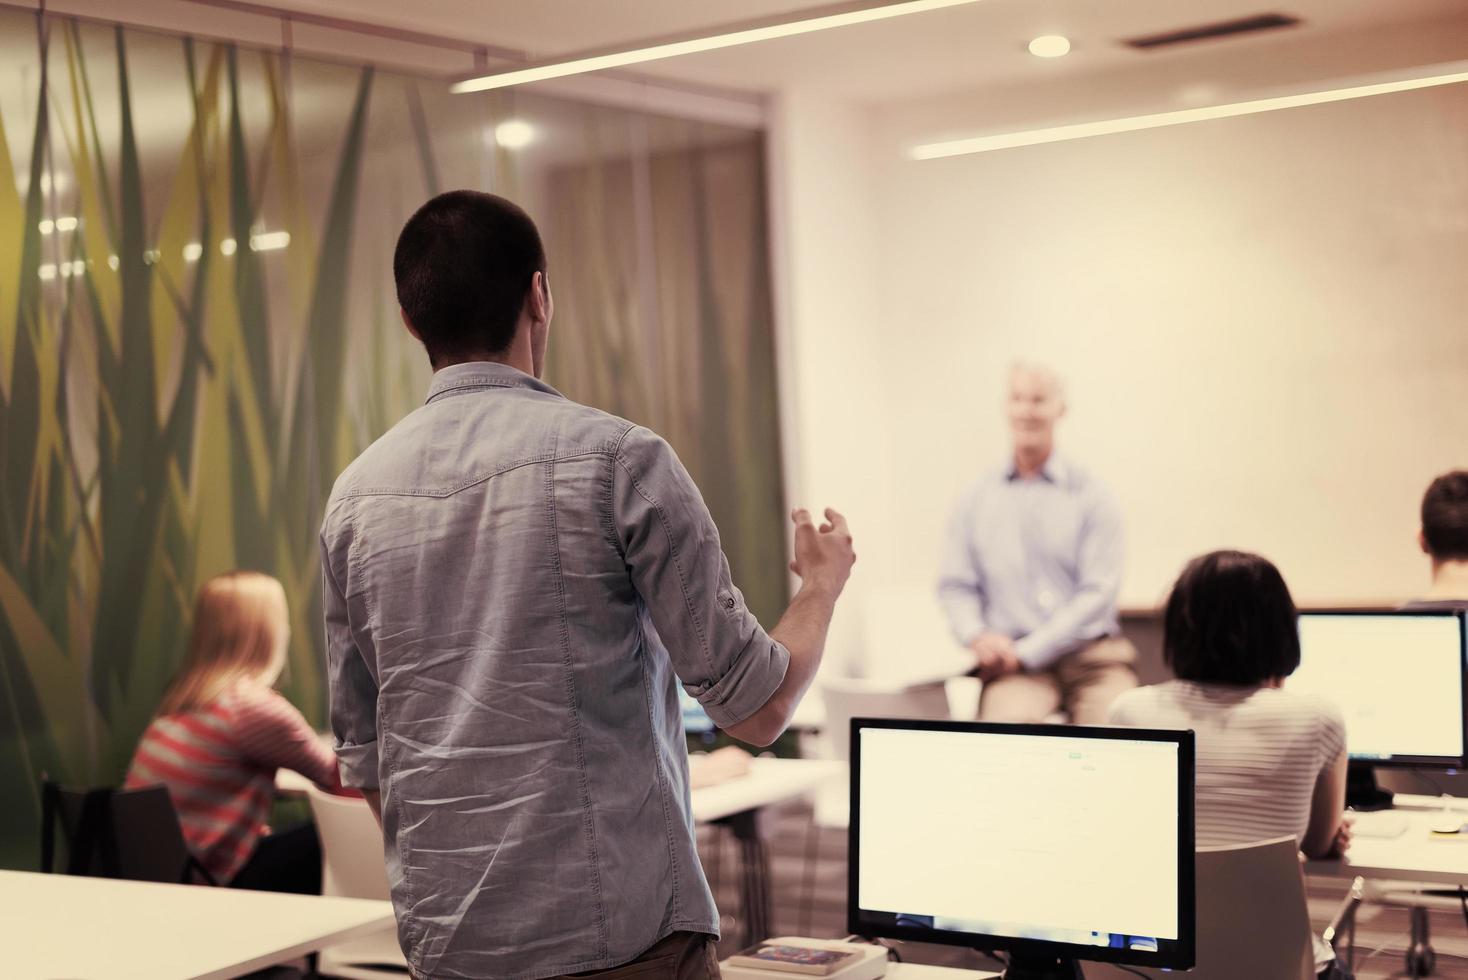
(682, 956)
(1083, 683)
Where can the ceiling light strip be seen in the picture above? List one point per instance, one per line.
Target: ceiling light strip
(725, 36)
(1157, 120)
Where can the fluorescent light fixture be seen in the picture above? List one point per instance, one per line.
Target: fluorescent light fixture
(1177, 117)
(227, 247)
(113, 262)
(47, 226)
(1050, 46)
(47, 271)
(723, 36)
(269, 241)
(513, 134)
(192, 251)
(67, 223)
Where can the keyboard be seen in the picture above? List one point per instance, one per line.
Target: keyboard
(1382, 824)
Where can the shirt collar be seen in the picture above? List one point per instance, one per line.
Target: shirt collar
(470, 375)
(1054, 471)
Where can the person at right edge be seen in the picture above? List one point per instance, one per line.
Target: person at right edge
(1444, 538)
(1031, 570)
(513, 584)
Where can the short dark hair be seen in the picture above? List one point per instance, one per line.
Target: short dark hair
(1230, 620)
(463, 265)
(1445, 517)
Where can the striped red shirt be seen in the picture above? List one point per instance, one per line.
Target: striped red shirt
(219, 764)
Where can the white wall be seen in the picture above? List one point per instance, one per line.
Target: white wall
(1263, 322)
(834, 392)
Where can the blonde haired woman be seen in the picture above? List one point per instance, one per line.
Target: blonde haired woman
(222, 731)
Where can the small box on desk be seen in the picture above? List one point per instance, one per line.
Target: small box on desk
(791, 957)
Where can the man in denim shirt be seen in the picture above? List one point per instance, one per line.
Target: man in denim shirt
(513, 585)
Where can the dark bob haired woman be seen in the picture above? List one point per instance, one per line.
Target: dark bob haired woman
(1270, 762)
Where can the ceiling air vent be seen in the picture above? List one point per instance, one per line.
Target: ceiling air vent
(1212, 32)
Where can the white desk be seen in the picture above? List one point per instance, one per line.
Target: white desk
(736, 805)
(899, 971)
(916, 971)
(1414, 855)
(65, 926)
(769, 781)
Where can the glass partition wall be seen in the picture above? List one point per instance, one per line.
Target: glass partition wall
(198, 330)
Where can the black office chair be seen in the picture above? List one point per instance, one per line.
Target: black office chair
(117, 833)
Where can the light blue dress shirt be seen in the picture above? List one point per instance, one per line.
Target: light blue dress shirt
(514, 587)
(1038, 560)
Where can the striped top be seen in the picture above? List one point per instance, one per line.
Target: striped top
(1260, 752)
(219, 764)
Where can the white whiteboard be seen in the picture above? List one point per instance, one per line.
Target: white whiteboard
(1263, 324)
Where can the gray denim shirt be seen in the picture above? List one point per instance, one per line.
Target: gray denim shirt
(511, 582)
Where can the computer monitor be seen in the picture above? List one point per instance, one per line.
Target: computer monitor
(696, 721)
(1058, 844)
(1398, 678)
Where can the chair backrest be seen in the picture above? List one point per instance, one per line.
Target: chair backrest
(1252, 918)
(351, 846)
(846, 699)
(116, 833)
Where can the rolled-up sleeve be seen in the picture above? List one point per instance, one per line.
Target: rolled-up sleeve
(718, 649)
(352, 698)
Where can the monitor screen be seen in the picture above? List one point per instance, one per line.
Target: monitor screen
(1396, 677)
(1043, 839)
(695, 720)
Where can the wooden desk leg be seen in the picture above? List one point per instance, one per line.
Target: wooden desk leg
(754, 875)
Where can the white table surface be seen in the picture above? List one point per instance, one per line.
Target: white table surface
(769, 781)
(899, 971)
(916, 971)
(1414, 855)
(93, 928)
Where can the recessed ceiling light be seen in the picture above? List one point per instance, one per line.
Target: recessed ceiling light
(513, 134)
(1050, 46)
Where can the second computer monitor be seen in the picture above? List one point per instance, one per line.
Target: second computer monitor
(1398, 678)
(1052, 842)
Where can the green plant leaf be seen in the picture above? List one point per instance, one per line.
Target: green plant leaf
(57, 679)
